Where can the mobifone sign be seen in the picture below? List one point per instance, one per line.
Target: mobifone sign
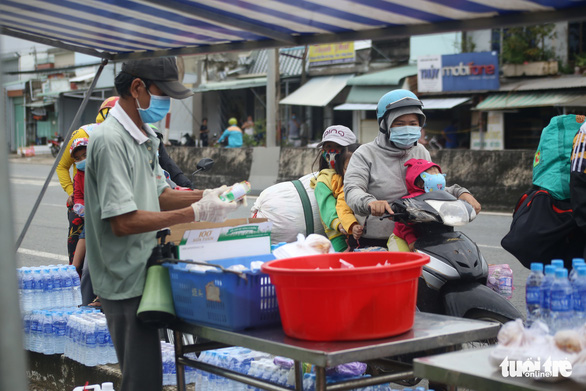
(458, 72)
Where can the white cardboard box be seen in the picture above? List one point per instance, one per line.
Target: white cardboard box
(234, 238)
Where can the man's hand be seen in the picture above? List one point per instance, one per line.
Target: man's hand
(211, 208)
(472, 201)
(412, 246)
(378, 208)
(357, 231)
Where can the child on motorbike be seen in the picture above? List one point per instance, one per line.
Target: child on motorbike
(328, 185)
(422, 177)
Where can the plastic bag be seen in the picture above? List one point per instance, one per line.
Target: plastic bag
(282, 205)
(313, 244)
(500, 280)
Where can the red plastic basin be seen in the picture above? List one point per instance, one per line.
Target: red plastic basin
(366, 302)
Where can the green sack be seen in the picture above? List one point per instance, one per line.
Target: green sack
(551, 165)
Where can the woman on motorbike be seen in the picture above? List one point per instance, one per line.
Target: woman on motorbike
(376, 172)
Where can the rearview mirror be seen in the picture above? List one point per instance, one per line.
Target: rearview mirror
(205, 164)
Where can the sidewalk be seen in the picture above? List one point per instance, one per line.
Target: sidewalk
(43, 159)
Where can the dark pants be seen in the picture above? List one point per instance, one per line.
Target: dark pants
(75, 228)
(137, 346)
(87, 290)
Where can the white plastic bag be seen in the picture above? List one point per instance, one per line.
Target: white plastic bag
(313, 244)
(281, 205)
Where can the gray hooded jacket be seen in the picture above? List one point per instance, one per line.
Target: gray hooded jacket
(376, 172)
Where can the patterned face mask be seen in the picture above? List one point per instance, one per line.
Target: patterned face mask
(330, 156)
(433, 182)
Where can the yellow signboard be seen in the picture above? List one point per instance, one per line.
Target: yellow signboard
(335, 53)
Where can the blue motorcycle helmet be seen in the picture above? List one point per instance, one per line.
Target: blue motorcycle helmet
(398, 103)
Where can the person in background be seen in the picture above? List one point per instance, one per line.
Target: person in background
(248, 126)
(293, 131)
(204, 132)
(127, 201)
(450, 133)
(233, 134)
(65, 177)
(329, 182)
(175, 173)
(376, 174)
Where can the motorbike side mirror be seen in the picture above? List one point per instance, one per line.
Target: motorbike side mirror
(203, 165)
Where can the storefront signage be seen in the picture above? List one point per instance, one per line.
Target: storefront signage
(335, 53)
(493, 138)
(458, 72)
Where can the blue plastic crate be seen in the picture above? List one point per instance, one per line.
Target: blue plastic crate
(225, 300)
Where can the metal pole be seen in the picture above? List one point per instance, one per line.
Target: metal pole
(272, 80)
(12, 356)
(74, 125)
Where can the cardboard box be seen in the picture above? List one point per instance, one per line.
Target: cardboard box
(232, 238)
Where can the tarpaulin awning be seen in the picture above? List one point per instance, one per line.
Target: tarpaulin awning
(318, 91)
(428, 104)
(442, 103)
(119, 29)
(367, 94)
(523, 100)
(232, 84)
(392, 76)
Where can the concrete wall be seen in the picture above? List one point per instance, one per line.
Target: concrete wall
(496, 178)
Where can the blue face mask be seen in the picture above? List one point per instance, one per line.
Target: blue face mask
(156, 111)
(80, 165)
(433, 182)
(405, 136)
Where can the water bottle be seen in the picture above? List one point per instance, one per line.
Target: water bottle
(561, 309)
(101, 342)
(48, 340)
(91, 345)
(558, 263)
(533, 293)
(579, 296)
(38, 287)
(26, 322)
(76, 286)
(60, 323)
(28, 291)
(48, 291)
(67, 286)
(546, 293)
(57, 287)
(576, 262)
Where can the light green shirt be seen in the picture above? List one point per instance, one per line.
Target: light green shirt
(122, 175)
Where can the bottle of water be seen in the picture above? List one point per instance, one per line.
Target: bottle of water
(91, 345)
(546, 294)
(48, 340)
(48, 291)
(26, 322)
(561, 308)
(76, 286)
(101, 341)
(579, 296)
(533, 293)
(59, 326)
(558, 263)
(576, 262)
(57, 287)
(28, 290)
(67, 286)
(38, 287)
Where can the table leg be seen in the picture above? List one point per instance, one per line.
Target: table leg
(298, 376)
(320, 378)
(180, 368)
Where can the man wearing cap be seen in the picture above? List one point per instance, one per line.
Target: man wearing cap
(128, 200)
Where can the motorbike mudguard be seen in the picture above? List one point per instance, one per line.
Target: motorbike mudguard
(463, 297)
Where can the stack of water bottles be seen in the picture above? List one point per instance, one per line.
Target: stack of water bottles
(259, 365)
(169, 369)
(557, 298)
(88, 340)
(47, 287)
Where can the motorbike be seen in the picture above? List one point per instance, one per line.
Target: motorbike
(454, 281)
(55, 145)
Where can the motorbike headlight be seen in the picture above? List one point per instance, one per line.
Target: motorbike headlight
(453, 213)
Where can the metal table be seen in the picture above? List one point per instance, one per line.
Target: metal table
(472, 369)
(430, 331)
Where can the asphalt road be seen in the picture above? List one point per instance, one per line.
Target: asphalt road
(45, 241)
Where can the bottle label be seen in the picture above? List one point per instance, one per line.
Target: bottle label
(533, 295)
(560, 301)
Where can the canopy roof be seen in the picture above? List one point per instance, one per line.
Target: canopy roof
(120, 29)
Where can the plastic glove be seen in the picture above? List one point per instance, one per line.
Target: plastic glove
(79, 209)
(211, 208)
(208, 191)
